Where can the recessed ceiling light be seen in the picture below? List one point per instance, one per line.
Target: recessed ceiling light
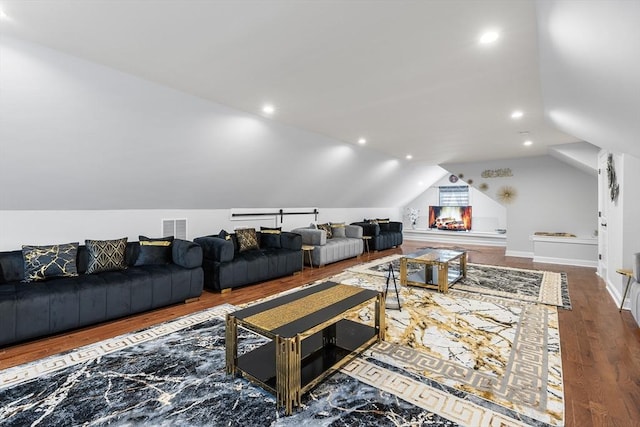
(517, 114)
(489, 37)
(362, 141)
(409, 157)
(268, 109)
(527, 143)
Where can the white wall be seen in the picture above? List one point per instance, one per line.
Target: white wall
(551, 196)
(90, 152)
(487, 214)
(48, 227)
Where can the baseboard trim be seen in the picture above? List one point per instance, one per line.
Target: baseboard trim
(519, 254)
(566, 261)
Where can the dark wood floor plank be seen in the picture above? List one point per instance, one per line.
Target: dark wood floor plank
(600, 347)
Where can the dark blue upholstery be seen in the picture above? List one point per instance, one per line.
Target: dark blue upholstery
(383, 236)
(226, 268)
(36, 309)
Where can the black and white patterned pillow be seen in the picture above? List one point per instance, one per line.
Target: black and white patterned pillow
(43, 262)
(247, 239)
(327, 229)
(106, 255)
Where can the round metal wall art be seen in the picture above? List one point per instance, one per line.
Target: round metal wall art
(506, 194)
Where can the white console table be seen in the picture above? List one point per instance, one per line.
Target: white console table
(565, 250)
(486, 238)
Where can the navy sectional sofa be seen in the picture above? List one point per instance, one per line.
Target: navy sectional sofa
(226, 267)
(384, 235)
(37, 309)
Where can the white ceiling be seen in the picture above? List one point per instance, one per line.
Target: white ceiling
(407, 75)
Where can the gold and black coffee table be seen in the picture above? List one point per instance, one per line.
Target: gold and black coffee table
(310, 338)
(436, 268)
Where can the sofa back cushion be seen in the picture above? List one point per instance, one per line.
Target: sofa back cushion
(270, 237)
(338, 230)
(383, 223)
(154, 251)
(11, 267)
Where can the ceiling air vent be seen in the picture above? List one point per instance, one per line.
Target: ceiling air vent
(174, 227)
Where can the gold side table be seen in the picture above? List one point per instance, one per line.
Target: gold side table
(366, 239)
(307, 249)
(629, 275)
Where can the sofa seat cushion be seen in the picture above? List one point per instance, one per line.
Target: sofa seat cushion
(30, 310)
(386, 240)
(336, 250)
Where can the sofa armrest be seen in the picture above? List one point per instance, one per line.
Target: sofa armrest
(368, 229)
(395, 226)
(216, 248)
(289, 240)
(186, 254)
(353, 231)
(312, 236)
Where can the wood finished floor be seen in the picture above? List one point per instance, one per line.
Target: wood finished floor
(600, 347)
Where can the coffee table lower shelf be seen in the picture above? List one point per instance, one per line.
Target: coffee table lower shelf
(317, 359)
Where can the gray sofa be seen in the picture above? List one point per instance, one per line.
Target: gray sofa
(326, 251)
(37, 309)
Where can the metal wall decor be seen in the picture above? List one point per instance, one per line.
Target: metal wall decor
(496, 173)
(614, 187)
(506, 194)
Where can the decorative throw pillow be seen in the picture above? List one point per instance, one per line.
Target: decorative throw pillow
(247, 239)
(106, 255)
(270, 237)
(371, 221)
(224, 235)
(43, 262)
(327, 229)
(154, 251)
(338, 229)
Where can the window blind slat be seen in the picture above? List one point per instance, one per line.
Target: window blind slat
(454, 195)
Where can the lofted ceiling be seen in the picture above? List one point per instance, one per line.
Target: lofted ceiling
(409, 76)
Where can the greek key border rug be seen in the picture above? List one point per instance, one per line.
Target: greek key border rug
(468, 360)
(545, 287)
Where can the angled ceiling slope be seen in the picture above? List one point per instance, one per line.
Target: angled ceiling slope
(408, 76)
(590, 63)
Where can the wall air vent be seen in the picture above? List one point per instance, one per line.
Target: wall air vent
(174, 227)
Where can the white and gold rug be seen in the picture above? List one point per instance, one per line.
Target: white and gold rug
(504, 351)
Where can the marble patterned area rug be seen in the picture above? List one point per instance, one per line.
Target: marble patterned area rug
(544, 287)
(506, 351)
(458, 359)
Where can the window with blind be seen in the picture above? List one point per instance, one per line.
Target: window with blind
(456, 195)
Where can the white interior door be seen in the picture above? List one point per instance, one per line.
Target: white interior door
(603, 206)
